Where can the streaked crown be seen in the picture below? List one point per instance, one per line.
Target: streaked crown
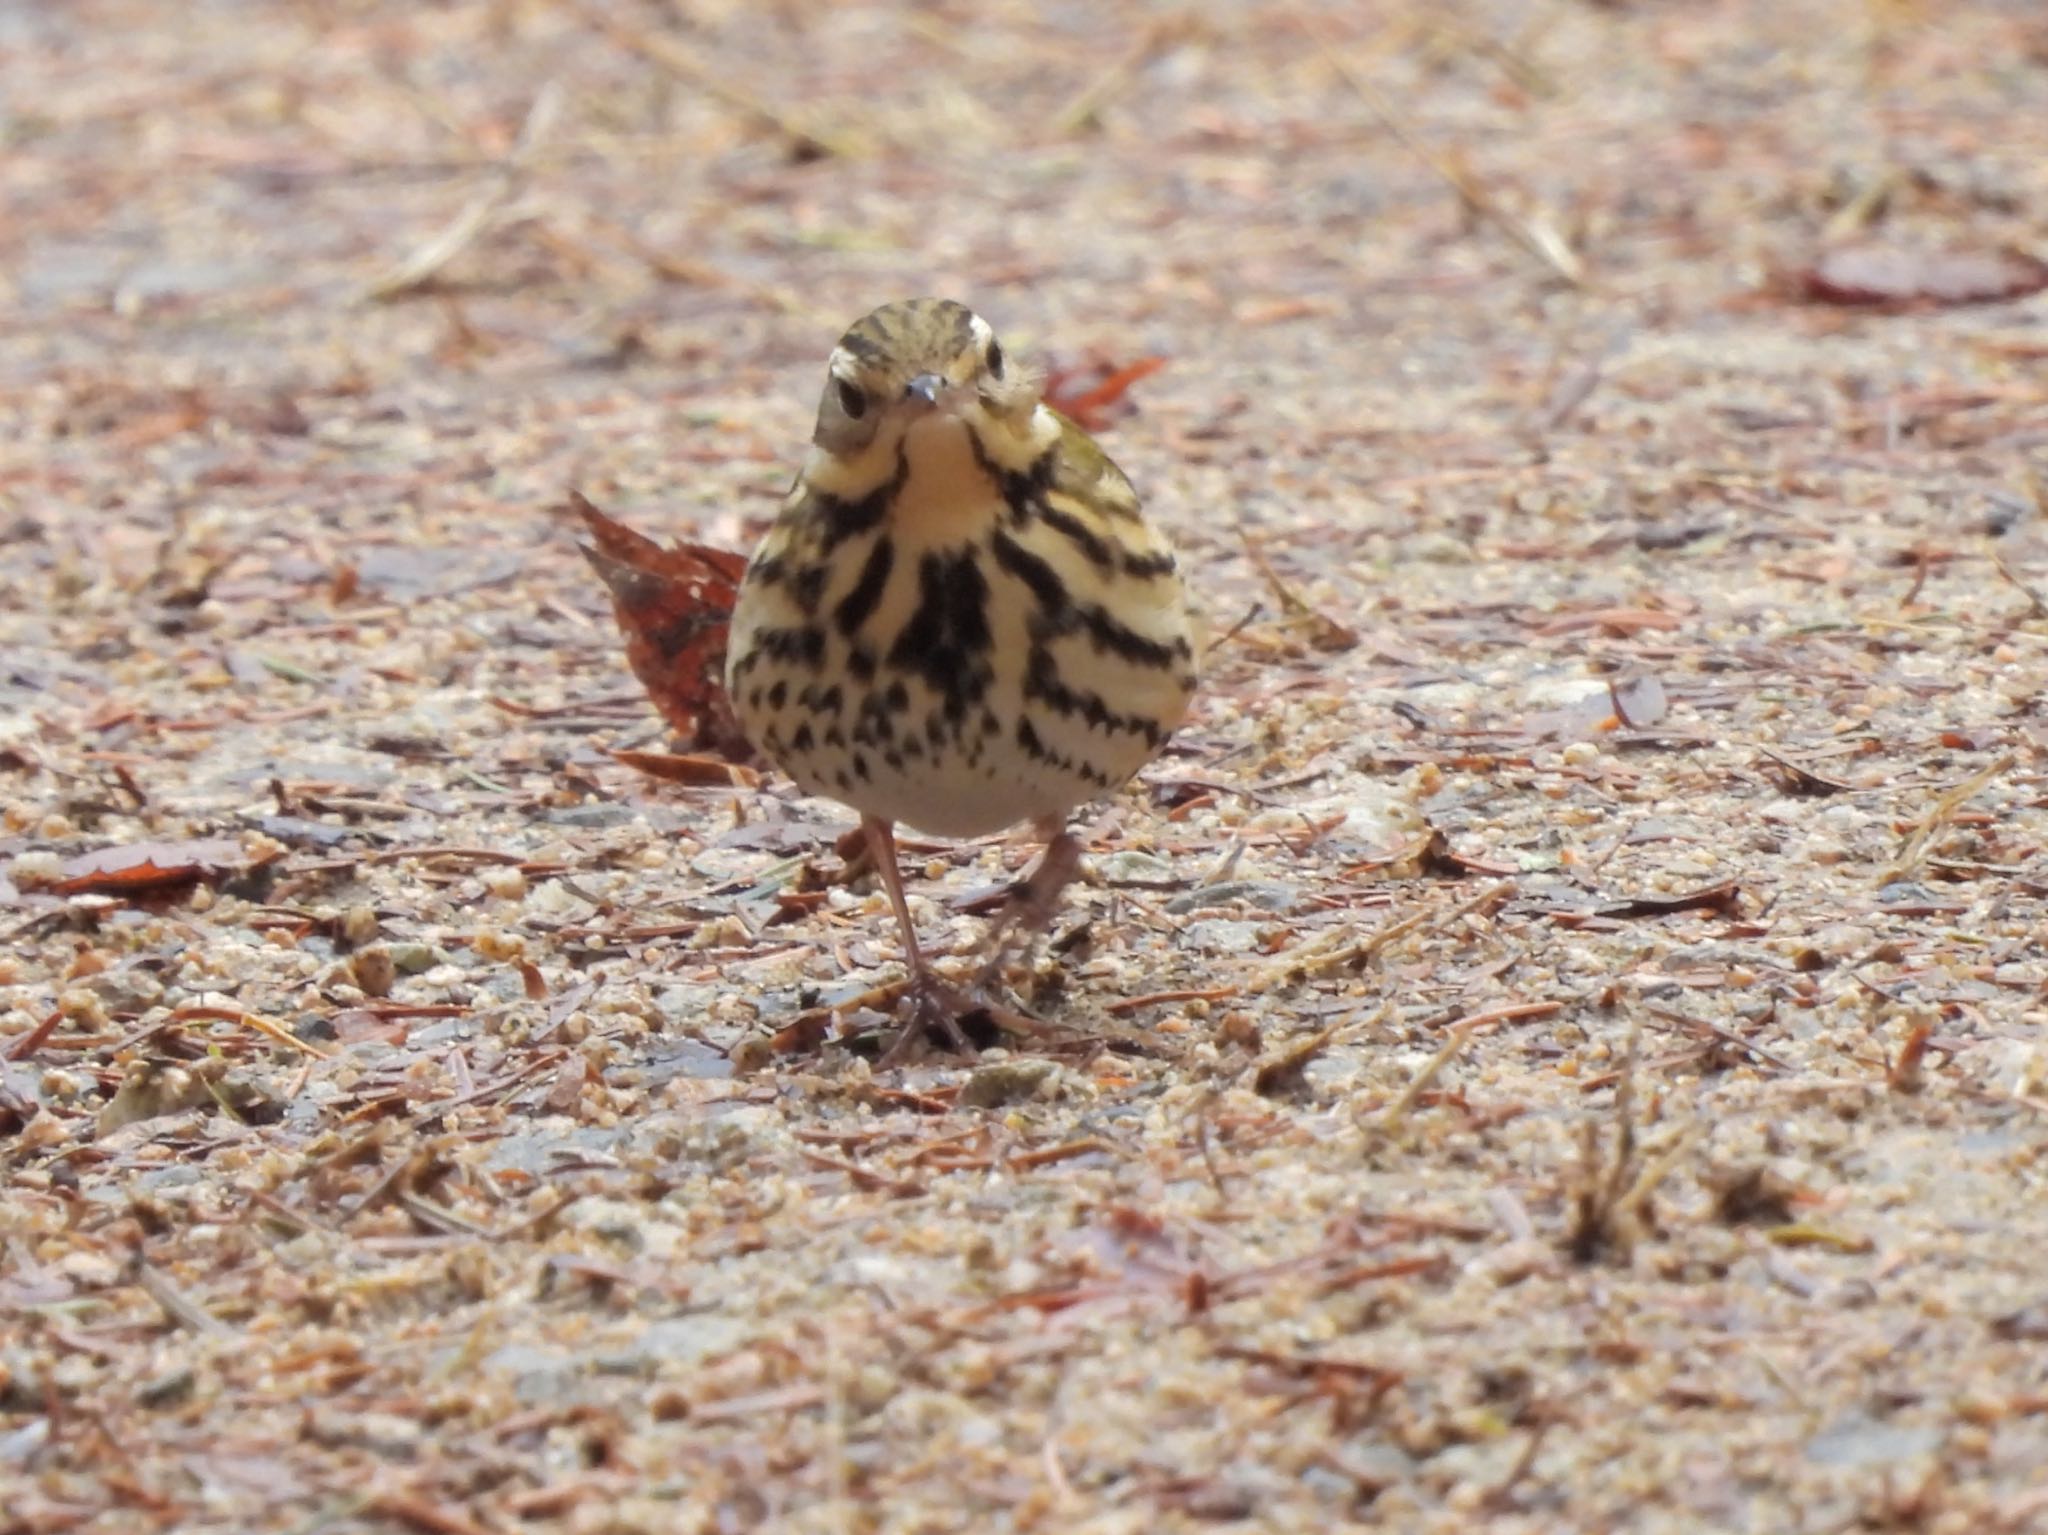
(920, 335)
(906, 357)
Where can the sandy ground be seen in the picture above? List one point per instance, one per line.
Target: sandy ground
(1553, 1046)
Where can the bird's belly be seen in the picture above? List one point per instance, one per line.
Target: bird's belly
(920, 679)
(908, 752)
(955, 799)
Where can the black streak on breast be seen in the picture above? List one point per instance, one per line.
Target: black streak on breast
(947, 641)
(858, 605)
(840, 519)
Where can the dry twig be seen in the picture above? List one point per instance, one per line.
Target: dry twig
(1914, 848)
(675, 56)
(1538, 236)
(489, 208)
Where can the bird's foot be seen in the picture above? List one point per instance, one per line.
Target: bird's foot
(936, 1006)
(934, 1009)
(1034, 901)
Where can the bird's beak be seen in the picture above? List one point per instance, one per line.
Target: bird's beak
(923, 391)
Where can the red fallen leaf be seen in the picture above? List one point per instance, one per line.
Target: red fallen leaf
(807, 1033)
(1972, 738)
(149, 866)
(1088, 395)
(674, 605)
(699, 771)
(22, 1046)
(1898, 277)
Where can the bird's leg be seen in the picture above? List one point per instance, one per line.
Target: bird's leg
(932, 1001)
(1034, 899)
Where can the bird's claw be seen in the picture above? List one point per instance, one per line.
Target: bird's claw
(935, 1006)
(931, 1006)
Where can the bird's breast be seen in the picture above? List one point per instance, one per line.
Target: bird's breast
(962, 656)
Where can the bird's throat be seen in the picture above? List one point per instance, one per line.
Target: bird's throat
(949, 492)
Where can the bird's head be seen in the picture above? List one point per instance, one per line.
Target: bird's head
(922, 367)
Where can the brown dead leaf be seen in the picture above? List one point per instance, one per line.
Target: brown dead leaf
(674, 605)
(1972, 738)
(532, 981)
(1897, 277)
(1718, 897)
(674, 767)
(1619, 622)
(1092, 395)
(139, 866)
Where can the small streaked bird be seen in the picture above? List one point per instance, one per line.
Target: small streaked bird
(960, 621)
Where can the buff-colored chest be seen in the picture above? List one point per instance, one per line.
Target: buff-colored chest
(954, 660)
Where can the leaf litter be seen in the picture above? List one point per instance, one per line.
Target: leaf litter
(1552, 1042)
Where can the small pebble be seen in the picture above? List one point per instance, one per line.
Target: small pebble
(374, 970)
(1013, 1081)
(492, 943)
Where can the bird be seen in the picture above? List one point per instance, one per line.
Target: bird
(961, 620)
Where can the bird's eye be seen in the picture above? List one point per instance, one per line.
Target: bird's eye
(851, 400)
(995, 359)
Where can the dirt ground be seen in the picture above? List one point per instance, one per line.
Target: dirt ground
(1554, 1045)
